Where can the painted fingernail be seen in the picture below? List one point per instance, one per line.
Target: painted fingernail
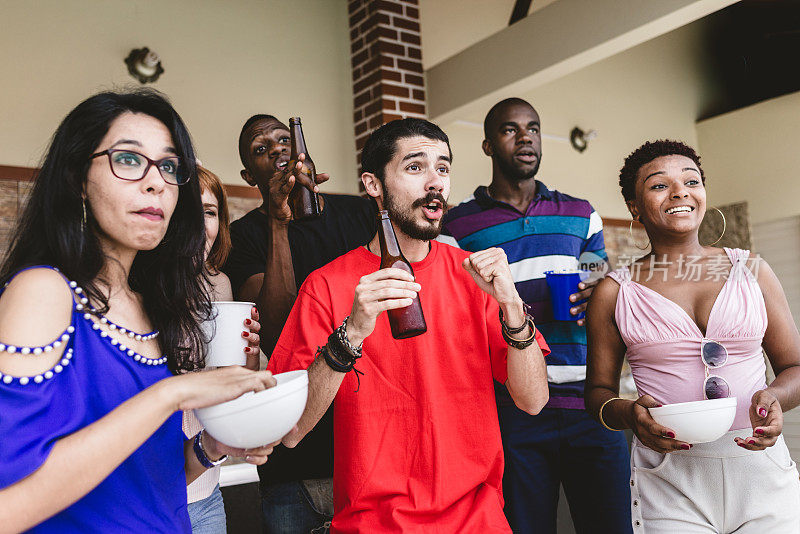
(760, 431)
(751, 442)
(245, 333)
(671, 434)
(685, 446)
(247, 349)
(248, 322)
(762, 412)
(573, 311)
(658, 406)
(739, 443)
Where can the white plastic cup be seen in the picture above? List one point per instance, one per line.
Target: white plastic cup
(225, 328)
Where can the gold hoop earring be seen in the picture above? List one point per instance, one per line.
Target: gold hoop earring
(633, 240)
(83, 220)
(724, 227)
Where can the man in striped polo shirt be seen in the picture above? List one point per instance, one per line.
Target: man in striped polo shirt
(541, 230)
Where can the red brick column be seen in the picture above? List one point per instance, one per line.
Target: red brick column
(388, 81)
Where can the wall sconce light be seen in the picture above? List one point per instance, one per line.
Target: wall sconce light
(144, 65)
(580, 139)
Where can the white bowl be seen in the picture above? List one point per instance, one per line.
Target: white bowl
(698, 421)
(257, 419)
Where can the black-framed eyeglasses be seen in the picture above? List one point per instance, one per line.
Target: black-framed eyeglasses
(132, 166)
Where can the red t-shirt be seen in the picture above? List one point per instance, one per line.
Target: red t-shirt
(417, 448)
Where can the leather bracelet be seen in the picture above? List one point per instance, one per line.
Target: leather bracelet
(200, 452)
(341, 348)
(600, 414)
(338, 366)
(520, 344)
(338, 350)
(526, 310)
(333, 363)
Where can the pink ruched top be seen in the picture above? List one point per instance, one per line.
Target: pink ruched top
(663, 342)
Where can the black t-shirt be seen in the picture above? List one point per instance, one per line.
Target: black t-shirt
(347, 222)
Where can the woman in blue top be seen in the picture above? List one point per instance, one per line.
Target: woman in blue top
(99, 320)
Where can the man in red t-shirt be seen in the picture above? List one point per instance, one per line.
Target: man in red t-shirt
(416, 438)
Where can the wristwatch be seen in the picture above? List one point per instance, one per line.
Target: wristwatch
(200, 452)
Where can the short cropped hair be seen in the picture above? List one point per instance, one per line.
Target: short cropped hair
(245, 129)
(491, 115)
(647, 153)
(381, 145)
(222, 245)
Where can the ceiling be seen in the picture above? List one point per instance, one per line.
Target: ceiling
(450, 26)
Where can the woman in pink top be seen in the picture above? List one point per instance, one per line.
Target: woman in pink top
(693, 320)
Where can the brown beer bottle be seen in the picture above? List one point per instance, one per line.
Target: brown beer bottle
(303, 202)
(408, 321)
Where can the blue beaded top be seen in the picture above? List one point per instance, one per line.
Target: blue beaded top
(147, 492)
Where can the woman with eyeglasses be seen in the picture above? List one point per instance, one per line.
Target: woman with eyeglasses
(99, 322)
(693, 320)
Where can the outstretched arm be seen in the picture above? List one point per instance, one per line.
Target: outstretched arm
(79, 461)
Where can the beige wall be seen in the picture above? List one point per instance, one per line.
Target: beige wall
(752, 154)
(648, 92)
(224, 61)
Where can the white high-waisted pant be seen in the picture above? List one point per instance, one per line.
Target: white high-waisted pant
(715, 487)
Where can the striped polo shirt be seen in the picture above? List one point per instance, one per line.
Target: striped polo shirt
(553, 234)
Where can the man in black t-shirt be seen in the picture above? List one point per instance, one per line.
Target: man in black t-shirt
(271, 257)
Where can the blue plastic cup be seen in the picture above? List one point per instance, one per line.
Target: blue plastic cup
(562, 285)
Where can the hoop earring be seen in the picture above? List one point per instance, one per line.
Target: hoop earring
(633, 240)
(724, 227)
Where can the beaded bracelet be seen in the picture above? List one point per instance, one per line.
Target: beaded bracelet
(341, 334)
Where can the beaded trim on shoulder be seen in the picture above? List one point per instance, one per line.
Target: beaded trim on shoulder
(38, 379)
(81, 305)
(63, 338)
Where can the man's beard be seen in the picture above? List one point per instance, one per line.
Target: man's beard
(404, 217)
(515, 173)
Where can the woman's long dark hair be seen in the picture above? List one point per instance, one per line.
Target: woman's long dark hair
(170, 277)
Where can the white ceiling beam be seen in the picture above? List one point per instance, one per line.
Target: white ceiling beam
(557, 40)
